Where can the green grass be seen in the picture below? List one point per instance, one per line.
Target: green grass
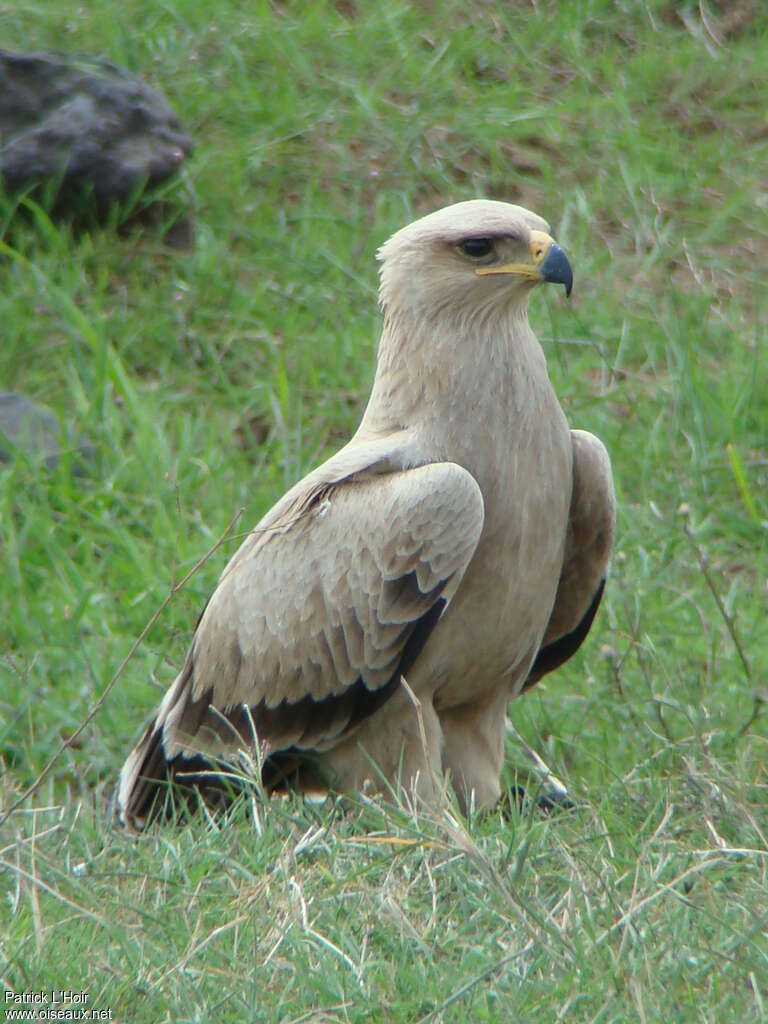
(210, 378)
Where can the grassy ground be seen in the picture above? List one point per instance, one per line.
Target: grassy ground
(210, 377)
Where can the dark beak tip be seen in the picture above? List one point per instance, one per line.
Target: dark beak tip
(557, 270)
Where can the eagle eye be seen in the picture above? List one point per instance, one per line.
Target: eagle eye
(476, 248)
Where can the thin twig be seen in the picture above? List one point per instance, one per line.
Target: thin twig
(728, 619)
(70, 740)
(730, 624)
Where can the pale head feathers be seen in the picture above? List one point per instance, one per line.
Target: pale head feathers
(424, 273)
(448, 332)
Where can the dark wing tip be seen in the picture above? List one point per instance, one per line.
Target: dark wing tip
(559, 651)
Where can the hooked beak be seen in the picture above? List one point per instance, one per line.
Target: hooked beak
(548, 263)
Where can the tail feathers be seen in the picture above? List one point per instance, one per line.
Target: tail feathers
(141, 778)
(154, 787)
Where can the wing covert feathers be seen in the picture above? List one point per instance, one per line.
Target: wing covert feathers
(308, 629)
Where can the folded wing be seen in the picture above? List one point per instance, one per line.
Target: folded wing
(315, 618)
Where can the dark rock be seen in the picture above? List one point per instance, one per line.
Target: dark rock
(30, 427)
(86, 124)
